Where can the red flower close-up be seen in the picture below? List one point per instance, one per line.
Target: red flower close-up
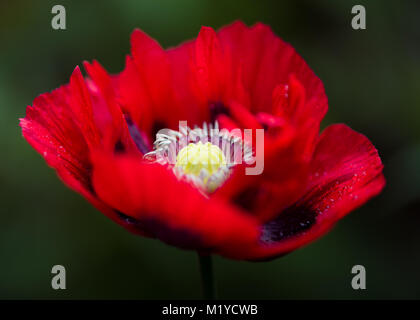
(103, 135)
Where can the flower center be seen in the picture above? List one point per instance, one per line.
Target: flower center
(200, 159)
(202, 156)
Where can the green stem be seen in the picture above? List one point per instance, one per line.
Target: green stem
(207, 276)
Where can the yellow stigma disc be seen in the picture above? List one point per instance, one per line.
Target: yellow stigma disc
(198, 156)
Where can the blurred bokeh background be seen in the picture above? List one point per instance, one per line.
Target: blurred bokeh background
(372, 79)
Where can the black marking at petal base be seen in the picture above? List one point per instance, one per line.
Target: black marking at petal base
(217, 108)
(157, 126)
(136, 135)
(87, 181)
(291, 222)
(91, 188)
(181, 238)
(125, 218)
(247, 198)
(119, 147)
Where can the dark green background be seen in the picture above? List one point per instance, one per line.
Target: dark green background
(372, 79)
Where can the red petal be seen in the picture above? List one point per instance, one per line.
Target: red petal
(267, 61)
(348, 159)
(281, 182)
(103, 91)
(346, 171)
(51, 128)
(243, 116)
(209, 65)
(153, 67)
(82, 109)
(133, 97)
(157, 200)
(185, 89)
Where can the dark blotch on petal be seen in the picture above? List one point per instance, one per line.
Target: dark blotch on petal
(178, 237)
(289, 223)
(246, 198)
(136, 136)
(119, 147)
(157, 126)
(217, 108)
(125, 218)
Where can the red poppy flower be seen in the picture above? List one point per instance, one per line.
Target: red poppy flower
(100, 134)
